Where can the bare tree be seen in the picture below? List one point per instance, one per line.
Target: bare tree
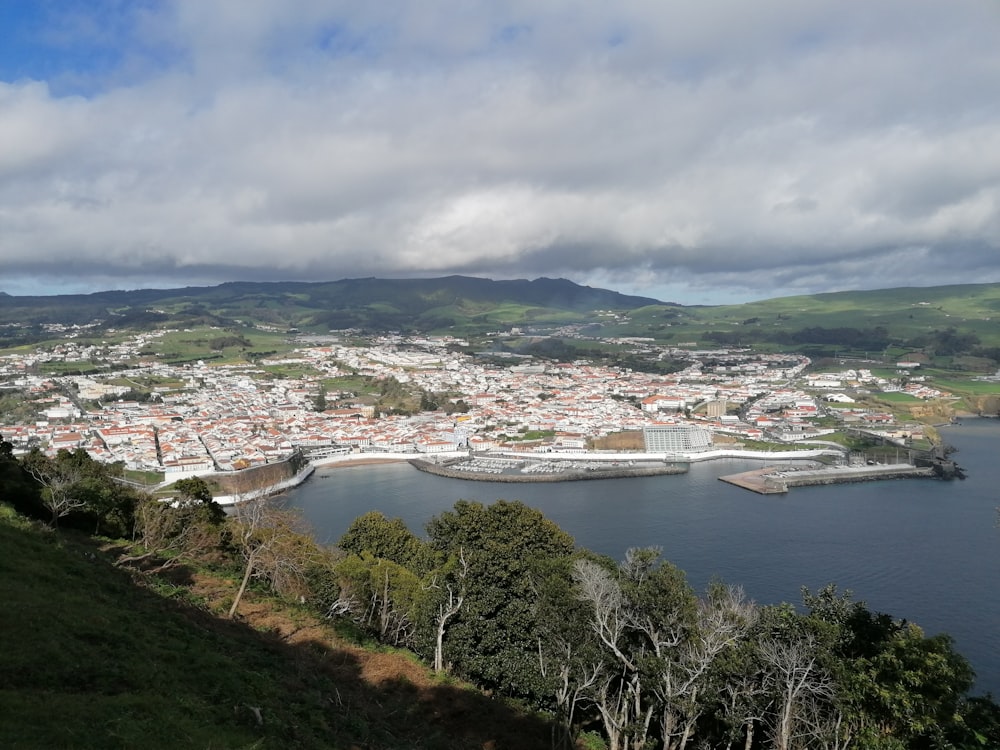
(273, 545)
(742, 702)
(377, 594)
(798, 684)
(572, 679)
(449, 607)
(723, 618)
(394, 625)
(616, 688)
(58, 481)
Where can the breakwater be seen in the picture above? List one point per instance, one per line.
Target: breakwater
(524, 472)
(778, 480)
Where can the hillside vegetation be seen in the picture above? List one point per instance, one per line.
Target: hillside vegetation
(187, 627)
(953, 325)
(95, 657)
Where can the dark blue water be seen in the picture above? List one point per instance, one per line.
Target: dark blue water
(924, 550)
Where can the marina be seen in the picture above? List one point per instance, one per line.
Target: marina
(501, 469)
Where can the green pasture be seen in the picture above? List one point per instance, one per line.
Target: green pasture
(350, 383)
(292, 371)
(898, 398)
(204, 343)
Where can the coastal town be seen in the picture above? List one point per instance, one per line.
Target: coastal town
(203, 417)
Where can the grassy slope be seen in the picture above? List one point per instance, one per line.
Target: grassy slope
(91, 660)
(905, 312)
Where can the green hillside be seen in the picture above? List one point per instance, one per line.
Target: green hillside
(90, 659)
(942, 322)
(373, 304)
(903, 318)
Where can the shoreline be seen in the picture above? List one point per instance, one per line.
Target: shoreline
(657, 464)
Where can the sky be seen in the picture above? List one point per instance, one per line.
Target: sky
(695, 151)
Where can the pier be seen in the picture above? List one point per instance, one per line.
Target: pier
(775, 480)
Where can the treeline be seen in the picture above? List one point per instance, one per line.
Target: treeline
(817, 340)
(501, 596)
(622, 654)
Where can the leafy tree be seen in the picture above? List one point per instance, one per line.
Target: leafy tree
(380, 595)
(320, 402)
(388, 539)
(194, 491)
(16, 486)
(899, 688)
(492, 639)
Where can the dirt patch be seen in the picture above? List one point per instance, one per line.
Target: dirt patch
(394, 688)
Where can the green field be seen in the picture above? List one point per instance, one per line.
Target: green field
(906, 314)
(217, 346)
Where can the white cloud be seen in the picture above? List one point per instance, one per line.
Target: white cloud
(725, 145)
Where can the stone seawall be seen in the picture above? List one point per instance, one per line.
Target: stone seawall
(832, 476)
(770, 481)
(615, 472)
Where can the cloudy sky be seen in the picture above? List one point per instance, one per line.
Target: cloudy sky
(699, 151)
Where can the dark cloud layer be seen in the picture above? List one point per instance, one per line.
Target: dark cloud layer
(698, 152)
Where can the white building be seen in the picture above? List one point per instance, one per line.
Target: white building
(675, 438)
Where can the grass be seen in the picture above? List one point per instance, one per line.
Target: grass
(962, 387)
(904, 312)
(192, 344)
(290, 371)
(148, 478)
(112, 662)
(91, 659)
(898, 398)
(357, 384)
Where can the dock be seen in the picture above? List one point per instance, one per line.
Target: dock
(776, 480)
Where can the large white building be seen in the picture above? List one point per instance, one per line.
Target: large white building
(675, 438)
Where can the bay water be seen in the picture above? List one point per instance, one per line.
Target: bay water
(920, 549)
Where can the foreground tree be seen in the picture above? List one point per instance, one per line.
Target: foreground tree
(499, 547)
(380, 595)
(454, 574)
(684, 683)
(58, 479)
(569, 656)
(896, 687)
(643, 614)
(176, 532)
(274, 546)
(388, 539)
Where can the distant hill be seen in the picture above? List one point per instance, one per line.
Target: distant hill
(943, 320)
(370, 303)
